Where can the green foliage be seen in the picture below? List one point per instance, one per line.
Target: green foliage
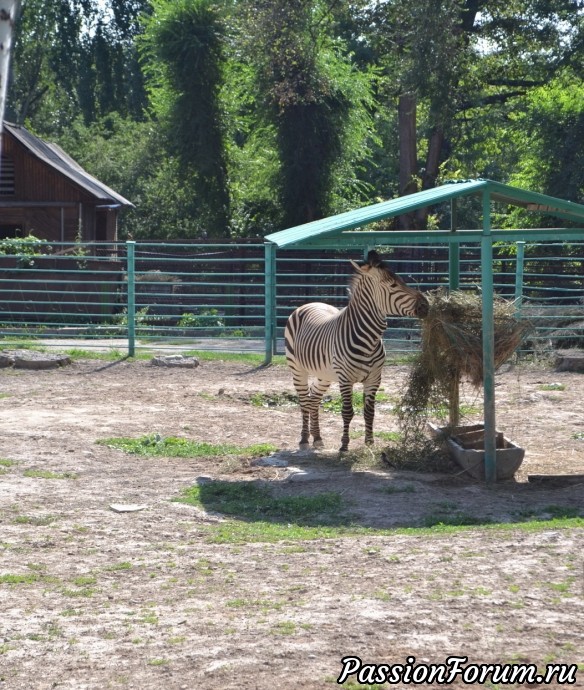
(206, 318)
(154, 445)
(25, 248)
(552, 155)
(48, 474)
(261, 114)
(74, 58)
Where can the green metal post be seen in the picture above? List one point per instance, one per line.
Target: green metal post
(519, 277)
(131, 305)
(488, 343)
(453, 252)
(270, 300)
(453, 266)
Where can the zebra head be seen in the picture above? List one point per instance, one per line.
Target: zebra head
(390, 293)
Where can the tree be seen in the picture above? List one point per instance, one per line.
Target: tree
(72, 57)
(312, 97)
(183, 46)
(453, 61)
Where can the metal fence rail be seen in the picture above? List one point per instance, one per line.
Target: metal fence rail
(215, 296)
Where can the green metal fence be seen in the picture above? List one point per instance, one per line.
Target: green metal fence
(130, 296)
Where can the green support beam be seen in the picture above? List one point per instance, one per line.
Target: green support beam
(488, 343)
(131, 304)
(270, 300)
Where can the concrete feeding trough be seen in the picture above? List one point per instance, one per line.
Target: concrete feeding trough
(466, 445)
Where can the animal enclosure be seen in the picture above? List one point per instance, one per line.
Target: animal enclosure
(176, 594)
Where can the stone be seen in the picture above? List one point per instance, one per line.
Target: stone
(30, 359)
(6, 360)
(126, 507)
(271, 461)
(570, 360)
(179, 361)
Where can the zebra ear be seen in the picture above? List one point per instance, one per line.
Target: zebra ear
(358, 268)
(373, 259)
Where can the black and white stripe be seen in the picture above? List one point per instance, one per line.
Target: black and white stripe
(345, 345)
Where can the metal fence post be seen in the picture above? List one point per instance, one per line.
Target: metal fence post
(488, 343)
(270, 300)
(453, 251)
(131, 305)
(519, 277)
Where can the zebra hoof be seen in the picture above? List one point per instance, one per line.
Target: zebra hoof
(304, 446)
(344, 449)
(318, 444)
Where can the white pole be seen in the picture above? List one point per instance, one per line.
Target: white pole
(8, 13)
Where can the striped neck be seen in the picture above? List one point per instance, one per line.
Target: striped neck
(364, 307)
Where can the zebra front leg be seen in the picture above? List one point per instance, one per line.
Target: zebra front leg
(347, 412)
(300, 379)
(370, 388)
(317, 390)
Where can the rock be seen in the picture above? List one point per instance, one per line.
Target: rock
(30, 359)
(6, 360)
(271, 461)
(126, 507)
(298, 475)
(570, 360)
(175, 361)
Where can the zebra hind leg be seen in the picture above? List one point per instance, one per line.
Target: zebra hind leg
(317, 390)
(347, 412)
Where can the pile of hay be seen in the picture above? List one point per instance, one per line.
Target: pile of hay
(453, 331)
(452, 350)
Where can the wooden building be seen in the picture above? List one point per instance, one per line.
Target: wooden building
(45, 193)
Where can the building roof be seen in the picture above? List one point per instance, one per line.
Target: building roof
(333, 227)
(54, 156)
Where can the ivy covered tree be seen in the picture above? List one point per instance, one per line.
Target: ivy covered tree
(183, 47)
(314, 99)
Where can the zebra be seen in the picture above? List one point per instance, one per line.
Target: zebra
(345, 345)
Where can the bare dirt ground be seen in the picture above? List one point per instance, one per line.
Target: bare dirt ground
(91, 598)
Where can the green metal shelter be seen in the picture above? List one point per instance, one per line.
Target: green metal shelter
(345, 231)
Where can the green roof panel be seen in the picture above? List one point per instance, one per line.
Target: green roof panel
(333, 226)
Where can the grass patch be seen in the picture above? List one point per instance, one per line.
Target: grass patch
(13, 579)
(274, 399)
(236, 532)
(334, 403)
(123, 565)
(47, 474)
(579, 435)
(381, 435)
(7, 463)
(563, 511)
(454, 519)
(36, 520)
(244, 357)
(254, 502)
(154, 445)
(112, 355)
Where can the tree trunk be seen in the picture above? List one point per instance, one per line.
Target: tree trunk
(430, 174)
(408, 159)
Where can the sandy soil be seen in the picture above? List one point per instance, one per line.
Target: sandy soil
(91, 598)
